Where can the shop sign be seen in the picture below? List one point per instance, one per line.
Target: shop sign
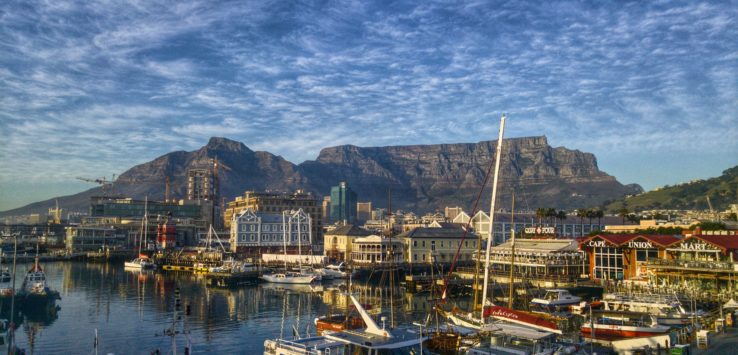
(540, 230)
(695, 246)
(640, 245)
(597, 244)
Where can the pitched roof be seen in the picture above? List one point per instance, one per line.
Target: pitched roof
(663, 240)
(349, 230)
(539, 245)
(725, 242)
(454, 232)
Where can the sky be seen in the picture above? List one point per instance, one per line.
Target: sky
(92, 88)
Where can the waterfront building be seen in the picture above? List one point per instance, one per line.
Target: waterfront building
(425, 245)
(343, 204)
(623, 256)
(94, 238)
(326, 210)
(645, 224)
(364, 211)
(338, 242)
(374, 250)
(276, 203)
(254, 233)
(543, 262)
(130, 208)
(704, 262)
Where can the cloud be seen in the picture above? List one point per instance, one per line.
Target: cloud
(128, 81)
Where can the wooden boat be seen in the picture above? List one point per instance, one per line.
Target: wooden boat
(622, 324)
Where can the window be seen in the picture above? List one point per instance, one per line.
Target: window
(608, 263)
(415, 243)
(424, 245)
(423, 257)
(644, 255)
(267, 227)
(415, 257)
(433, 245)
(253, 238)
(441, 244)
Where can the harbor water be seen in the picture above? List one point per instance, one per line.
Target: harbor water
(132, 311)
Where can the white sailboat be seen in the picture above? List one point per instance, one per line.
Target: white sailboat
(142, 261)
(287, 277)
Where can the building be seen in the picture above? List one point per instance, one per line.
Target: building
(542, 262)
(343, 204)
(644, 224)
(326, 210)
(130, 208)
(364, 211)
(202, 185)
(94, 238)
(254, 233)
(703, 262)
(276, 203)
(623, 256)
(166, 235)
(378, 214)
(425, 245)
(338, 242)
(374, 250)
(451, 212)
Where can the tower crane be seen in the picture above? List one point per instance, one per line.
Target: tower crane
(106, 184)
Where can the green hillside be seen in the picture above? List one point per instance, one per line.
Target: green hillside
(722, 190)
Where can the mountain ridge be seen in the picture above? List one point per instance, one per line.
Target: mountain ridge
(419, 177)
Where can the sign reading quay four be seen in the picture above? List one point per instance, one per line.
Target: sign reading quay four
(540, 230)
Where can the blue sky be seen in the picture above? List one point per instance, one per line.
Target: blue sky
(92, 88)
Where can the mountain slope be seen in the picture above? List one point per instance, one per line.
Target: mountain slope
(421, 177)
(722, 190)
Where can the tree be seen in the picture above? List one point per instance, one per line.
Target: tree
(711, 226)
(581, 213)
(540, 213)
(623, 212)
(590, 214)
(550, 213)
(599, 214)
(561, 215)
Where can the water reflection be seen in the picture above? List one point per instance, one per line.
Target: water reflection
(131, 309)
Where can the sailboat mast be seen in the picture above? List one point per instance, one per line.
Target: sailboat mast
(512, 253)
(145, 223)
(284, 239)
(492, 214)
(299, 242)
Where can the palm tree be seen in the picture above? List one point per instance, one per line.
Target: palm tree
(590, 214)
(623, 212)
(550, 214)
(561, 215)
(599, 214)
(581, 213)
(540, 213)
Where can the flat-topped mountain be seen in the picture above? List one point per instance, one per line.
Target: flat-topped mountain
(420, 177)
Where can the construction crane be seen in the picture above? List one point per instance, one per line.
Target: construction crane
(106, 184)
(712, 212)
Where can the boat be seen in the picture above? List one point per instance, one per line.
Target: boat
(555, 300)
(507, 338)
(622, 325)
(370, 340)
(667, 309)
(288, 277)
(333, 271)
(34, 291)
(142, 261)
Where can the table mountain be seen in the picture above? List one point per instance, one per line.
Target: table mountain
(421, 177)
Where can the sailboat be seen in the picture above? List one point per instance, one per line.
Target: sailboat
(142, 261)
(288, 277)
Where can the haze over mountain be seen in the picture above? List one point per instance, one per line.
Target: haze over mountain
(421, 177)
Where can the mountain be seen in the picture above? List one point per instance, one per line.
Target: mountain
(722, 190)
(420, 177)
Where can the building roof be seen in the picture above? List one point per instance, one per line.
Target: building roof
(423, 232)
(376, 239)
(539, 245)
(663, 240)
(726, 243)
(349, 230)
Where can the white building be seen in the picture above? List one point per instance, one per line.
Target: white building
(257, 230)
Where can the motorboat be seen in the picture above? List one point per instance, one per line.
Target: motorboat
(142, 262)
(667, 308)
(555, 300)
(622, 324)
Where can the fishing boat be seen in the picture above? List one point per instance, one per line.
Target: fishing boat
(667, 308)
(555, 300)
(622, 324)
(142, 261)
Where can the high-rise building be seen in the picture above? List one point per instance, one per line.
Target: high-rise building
(343, 204)
(364, 211)
(326, 210)
(379, 214)
(201, 185)
(271, 202)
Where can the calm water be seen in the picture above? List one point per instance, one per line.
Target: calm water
(131, 311)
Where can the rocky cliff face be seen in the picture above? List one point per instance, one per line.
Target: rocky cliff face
(420, 177)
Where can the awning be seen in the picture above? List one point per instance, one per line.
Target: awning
(731, 304)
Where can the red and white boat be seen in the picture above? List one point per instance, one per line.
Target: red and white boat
(623, 324)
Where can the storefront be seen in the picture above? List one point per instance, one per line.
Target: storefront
(623, 256)
(698, 262)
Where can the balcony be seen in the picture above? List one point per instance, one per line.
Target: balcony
(694, 265)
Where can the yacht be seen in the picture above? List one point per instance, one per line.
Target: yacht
(555, 300)
(667, 309)
(371, 340)
(142, 262)
(622, 324)
(289, 278)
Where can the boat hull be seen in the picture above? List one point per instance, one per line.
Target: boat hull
(623, 331)
(288, 280)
